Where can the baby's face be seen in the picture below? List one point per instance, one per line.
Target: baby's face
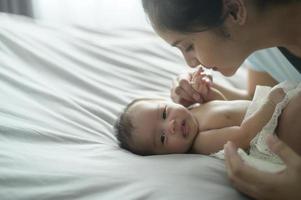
(162, 127)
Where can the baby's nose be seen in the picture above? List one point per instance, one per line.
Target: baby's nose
(171, 126)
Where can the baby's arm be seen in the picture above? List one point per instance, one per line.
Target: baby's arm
(211, 141)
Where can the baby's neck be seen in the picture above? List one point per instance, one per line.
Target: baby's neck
(199, 112)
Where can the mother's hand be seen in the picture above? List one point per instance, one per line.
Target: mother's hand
(285, 184)
(190, 88)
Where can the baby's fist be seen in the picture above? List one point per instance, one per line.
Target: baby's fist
(201, 82)
(276, 95)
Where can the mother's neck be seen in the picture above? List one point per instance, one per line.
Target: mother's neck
(278, 26)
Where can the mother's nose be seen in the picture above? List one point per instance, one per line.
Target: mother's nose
(191, 60)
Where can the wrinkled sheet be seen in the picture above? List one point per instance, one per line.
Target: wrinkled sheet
(61, 90)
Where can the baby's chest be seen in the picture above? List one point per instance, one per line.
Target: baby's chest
(220, 117)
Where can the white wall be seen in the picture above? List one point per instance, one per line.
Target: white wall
(92, 13)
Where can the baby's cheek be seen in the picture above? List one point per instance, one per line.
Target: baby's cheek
(179, 146)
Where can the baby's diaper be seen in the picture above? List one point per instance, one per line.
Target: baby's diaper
(259, 154)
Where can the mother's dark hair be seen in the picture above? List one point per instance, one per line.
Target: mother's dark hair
(184, 15)
(193, 15)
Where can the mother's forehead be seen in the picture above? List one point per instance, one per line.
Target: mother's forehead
(173, 36)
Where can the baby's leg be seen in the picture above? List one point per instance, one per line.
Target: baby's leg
(289, 124)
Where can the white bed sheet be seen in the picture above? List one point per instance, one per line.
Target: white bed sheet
(61, 89)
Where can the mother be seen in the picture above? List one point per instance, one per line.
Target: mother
(222, 34)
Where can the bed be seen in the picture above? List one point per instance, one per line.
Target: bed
(61, 90)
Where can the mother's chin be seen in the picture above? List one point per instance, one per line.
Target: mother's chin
(227, 71)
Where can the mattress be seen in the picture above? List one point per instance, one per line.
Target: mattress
(61, 90)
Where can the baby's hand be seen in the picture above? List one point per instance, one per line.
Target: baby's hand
(276, 95)
(201, 82)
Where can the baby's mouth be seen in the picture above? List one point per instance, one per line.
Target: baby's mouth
(184, 129)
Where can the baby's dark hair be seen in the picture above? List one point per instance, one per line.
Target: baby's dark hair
(124, 128)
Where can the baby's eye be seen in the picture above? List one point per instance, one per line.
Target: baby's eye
(162, 138)
(164, 114)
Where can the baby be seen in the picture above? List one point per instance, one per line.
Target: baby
(157, 126)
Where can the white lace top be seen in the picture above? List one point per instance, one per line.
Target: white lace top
(260, 155)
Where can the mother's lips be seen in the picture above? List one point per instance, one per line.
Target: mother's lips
(213, 68)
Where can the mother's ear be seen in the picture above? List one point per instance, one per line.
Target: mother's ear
(236, 11)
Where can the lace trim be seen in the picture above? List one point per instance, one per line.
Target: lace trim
(258, 146)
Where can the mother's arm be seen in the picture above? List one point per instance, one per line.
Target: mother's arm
(253, 78)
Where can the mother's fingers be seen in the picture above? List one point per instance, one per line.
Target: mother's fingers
(186, 91)
(244, 178)
(232, 160)
(182, 95)
(289, 156)
(238, 171)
